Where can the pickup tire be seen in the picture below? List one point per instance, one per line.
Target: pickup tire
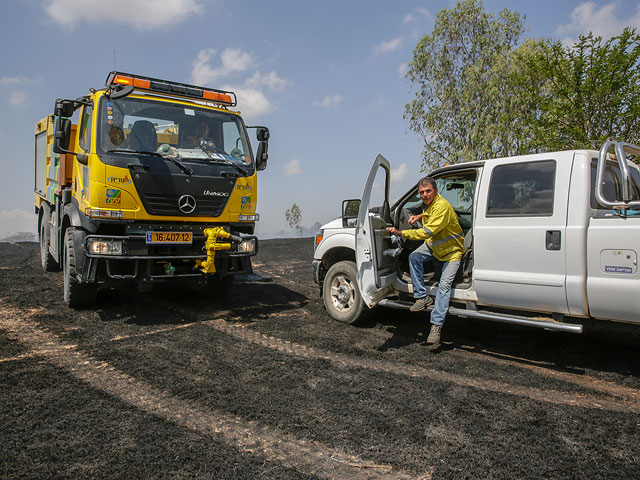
(49, 263)
(76, 294)
(341, 295)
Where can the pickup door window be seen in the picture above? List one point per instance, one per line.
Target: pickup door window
(520, 234)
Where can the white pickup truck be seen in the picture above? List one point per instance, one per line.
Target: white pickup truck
(551, 238)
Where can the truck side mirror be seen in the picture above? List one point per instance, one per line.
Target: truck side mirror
(263, 134)
(62, 135)
(350, 209)
(262, 155)
(64, 108)
(263, 137)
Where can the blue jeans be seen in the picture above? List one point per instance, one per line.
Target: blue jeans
(417, 259)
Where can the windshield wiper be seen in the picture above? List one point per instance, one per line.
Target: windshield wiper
(174, 160)
(223, 160)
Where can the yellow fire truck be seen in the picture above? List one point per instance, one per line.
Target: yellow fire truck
(155, 181)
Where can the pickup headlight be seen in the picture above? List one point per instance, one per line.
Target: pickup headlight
(99, 246)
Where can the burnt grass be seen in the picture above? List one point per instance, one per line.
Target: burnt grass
(263, 385)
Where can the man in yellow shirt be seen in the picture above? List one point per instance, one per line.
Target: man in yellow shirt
(443, 240)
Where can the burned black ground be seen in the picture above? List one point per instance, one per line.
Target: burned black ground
(172, 384)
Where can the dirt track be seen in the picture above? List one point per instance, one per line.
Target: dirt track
(173, 385)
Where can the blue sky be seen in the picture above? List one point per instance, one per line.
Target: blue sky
(326, 77)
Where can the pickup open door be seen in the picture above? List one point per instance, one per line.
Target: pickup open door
(374, 247)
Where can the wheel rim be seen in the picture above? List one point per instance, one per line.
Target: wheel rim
(343, 293)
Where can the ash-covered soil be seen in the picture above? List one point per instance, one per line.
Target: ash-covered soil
(264, 385)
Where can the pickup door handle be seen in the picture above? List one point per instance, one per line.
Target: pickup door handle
(552, 240)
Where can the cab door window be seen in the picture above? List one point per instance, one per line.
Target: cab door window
(522, 190)
(84, 138)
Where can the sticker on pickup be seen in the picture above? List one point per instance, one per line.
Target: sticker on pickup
(617, 269)
(174, 238)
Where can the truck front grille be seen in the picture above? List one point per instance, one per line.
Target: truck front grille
(164, 204)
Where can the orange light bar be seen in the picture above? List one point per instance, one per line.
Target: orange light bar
(136, 82)
(217, 97)
(122, 80)
(221, 97)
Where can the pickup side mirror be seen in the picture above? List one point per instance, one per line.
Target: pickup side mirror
(62, 135)
(350, 209)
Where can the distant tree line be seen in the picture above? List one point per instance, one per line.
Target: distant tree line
(482, 91)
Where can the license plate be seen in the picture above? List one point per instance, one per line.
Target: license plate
(173, 238)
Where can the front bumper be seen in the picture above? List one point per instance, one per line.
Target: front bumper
(130, 256)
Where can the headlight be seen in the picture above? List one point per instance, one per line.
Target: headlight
(105, 247)
(97, 213)
(247, 246)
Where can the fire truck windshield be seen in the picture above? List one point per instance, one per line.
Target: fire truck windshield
(191, 133)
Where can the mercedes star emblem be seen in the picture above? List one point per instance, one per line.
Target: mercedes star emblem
(187, 204)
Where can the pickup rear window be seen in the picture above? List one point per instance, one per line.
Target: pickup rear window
(522, 189)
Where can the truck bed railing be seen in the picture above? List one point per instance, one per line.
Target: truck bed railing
(621, 149)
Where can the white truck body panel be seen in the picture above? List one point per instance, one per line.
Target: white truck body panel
(565, 256)
(512, 266)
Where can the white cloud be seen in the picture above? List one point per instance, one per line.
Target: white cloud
(13, 81)
(252, 101)
(18, 98)
(14, 221)
(397, 174)
(390, 46)
(410, 17)
(233, 60)
(293, 167)
(329, 101)
(587, 17)
(271, 80)
(402, 69)
(139, 14)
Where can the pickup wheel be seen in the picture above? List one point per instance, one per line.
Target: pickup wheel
(49, 263)
(76, 294)
(341, 296)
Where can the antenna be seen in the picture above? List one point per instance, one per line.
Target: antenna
(114, 60)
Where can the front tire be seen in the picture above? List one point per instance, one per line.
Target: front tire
(341, 295)
(76, 294)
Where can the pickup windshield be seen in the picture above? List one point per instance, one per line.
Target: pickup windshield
(185, 132)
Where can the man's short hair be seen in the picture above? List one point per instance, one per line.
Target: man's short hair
(424, 181)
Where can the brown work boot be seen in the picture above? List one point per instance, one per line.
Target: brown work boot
(434, 334)
(421, 303)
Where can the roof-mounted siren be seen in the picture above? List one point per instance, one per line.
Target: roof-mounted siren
(118, 81)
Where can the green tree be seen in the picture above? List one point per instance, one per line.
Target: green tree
(464, 108)
(581, 95)
(294, 217)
